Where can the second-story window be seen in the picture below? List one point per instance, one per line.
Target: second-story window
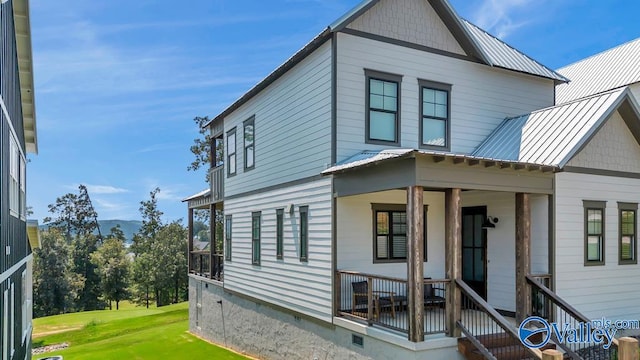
(14, 173)
(383, 108)
(227, 237)
(249, 141)
(434, 112)
(231, 152)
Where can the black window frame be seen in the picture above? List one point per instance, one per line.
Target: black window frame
(255, 240)
(304, 233)
(279, 234)
(628, 207)
(433, 85)
(228, 225)
(590, 205)
(232, 154)
(391, 208)
(385, 77)
(249, 122)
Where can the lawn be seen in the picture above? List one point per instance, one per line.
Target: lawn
(129, 333)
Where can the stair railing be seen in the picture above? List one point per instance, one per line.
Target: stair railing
(487, 330)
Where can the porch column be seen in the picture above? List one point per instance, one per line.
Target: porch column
(213, 261)
(415, 262)
(190, 237)
(453, 257)
(523, 255)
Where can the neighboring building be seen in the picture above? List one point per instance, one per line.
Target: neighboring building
(401, 178)
(17, 137)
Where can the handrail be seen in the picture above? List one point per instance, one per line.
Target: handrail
(494, 315)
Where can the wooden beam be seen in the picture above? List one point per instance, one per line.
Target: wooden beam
(551, 354)
(458, 160)
(453, 258)
(473, 162)
(523, 256)
(190, 237)
(505, 165)
(627, 348)
(518, 166)
(415, 262)
(437, 159)
(213, 260)
(489, 164)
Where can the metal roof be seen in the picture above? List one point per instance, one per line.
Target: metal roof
(502, 55)
(201, 194)
(608, 70)
(551, 136)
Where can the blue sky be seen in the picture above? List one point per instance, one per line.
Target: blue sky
(119, 82)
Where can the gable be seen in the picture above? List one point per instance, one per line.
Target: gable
(613, 147)
(413, 21)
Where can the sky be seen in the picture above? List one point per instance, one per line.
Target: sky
(118, 83)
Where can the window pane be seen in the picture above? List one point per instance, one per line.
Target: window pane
(232, 164)
(626, 248)
(249, 157)
(376, 87)
(391, 89)
(594, 218)
(248, 134)
(593, 248)
(441, 97)
(428, 96)
(433, 132)
(441, 111)
(382, 126)
(382, 222)
(628, 222)
(399, 246)
(477, 227)
(376, 101)
(390, 103)
(382, 247)
(429, 109)
(467, 258)
(467, 223)
(231, 143)
(479, 265)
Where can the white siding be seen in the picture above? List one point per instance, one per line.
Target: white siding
(481, 96)
(613, 147)
(301, 286)
(292, 126)
(610, 290)
(635, 90)
(413, 21)
(355, 234)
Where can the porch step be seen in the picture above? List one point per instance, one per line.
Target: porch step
(501, 345)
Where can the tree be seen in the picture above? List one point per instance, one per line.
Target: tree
(170, 252)
(113, 268)
(201, 147)
(82, 248)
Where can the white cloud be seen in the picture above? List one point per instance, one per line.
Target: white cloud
(99, 189)
(502, 17)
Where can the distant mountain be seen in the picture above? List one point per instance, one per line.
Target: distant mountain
(129, 227)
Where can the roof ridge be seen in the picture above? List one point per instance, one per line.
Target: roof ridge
(599, 53)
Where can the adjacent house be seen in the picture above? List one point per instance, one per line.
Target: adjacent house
(17, 138)
(408, 186)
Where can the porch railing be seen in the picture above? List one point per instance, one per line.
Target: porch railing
(203, 264)
(557, 310)
(489, 331)
(382, 301)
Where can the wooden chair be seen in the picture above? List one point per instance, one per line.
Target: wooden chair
(433, 297)
(360, 299)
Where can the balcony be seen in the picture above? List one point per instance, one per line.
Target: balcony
(216, 179)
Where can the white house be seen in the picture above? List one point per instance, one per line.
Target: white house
(406, 180)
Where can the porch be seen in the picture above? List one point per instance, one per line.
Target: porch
(205, 241)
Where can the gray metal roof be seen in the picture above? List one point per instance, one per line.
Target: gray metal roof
(551, 136)
(608, 70)
(201, 194)
(502, 55)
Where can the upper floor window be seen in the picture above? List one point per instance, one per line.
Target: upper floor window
(14, 182)
(231, 152)
(383, 108)
(227, 237)
(435, 120)
(390, 232)
(627, 235)
(594, 224)
(249, 139)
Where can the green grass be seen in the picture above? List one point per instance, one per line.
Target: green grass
(129, 333)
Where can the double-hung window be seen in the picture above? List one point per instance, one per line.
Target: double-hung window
(594, 239)
(435, 121)
(231, 152)
(279, 234)
(249, 144)
(227, 237)
(14, 182)
(390, 232)
(255, 237)
(627, 233)
(383, 108)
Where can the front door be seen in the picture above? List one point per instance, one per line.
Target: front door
(474, 249)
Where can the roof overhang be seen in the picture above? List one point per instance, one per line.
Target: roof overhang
(25, 67)
(200, 200)
(33, 233)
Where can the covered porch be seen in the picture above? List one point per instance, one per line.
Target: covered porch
(432, 244)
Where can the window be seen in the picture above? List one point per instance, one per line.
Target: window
(594, 224)
(383, 108)
(304, 233)
(5, 328)
(627, 233)
(231, 152)
(279, 233)
(249, 140)
(390, 233)
(14, 172)
(255, 238)
(227, 237)
(434, 110)
(23, 186)
(25, 303)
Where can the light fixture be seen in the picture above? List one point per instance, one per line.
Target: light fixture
(290, 209)
(490, 222)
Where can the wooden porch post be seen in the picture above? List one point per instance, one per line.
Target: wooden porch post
(453, 257)
(213, 260)
(415, 262)
(523, 256)
(190, 237)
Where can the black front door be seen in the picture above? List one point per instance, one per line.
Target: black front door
(474, 249)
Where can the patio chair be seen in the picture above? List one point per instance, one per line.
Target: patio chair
(433, 297)
(360, 301)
